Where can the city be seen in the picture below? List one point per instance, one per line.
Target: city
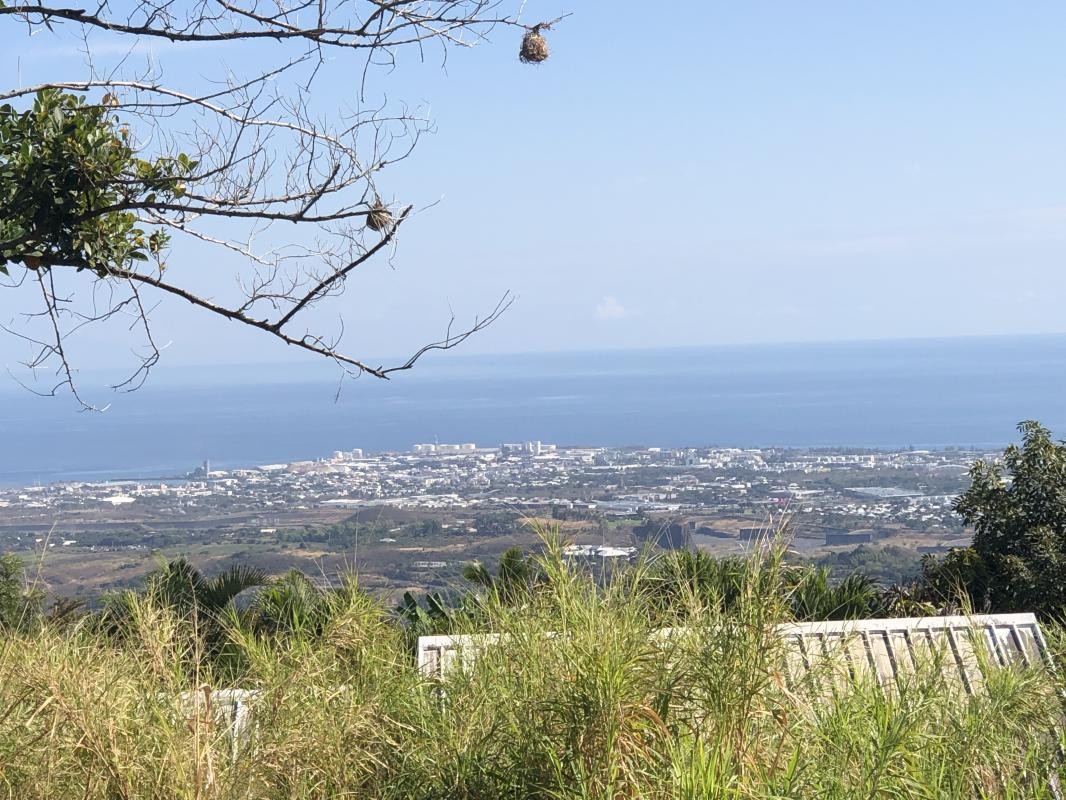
(410, 520)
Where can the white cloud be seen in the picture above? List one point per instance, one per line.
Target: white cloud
(610, 308)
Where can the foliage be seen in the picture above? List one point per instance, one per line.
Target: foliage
(496, 523)
(205, 608)
(20, 606)
(814, 598)
(289, 605)
(70, 181)
(804, 593)
(515, 582)
(430, 614)
(182, 589)
(1017, 509)
(515, 576)
(958, 581)
(180, 586)
(888, 564)
(427, 527)
(602, 709)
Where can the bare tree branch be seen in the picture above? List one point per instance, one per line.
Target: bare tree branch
(374, 24)
(245, 165)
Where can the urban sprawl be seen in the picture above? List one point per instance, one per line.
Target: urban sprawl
(444, 504)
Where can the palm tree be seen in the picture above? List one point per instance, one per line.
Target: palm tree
(683, 576)
(429, 615)
(814, 598)
(290, 605)
(514, 577)
(906, 600)
(181, 588)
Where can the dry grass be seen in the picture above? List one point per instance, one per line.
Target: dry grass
(598, 709)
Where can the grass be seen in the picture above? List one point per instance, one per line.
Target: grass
(598, 708)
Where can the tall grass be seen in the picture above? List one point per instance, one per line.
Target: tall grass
(582, 696)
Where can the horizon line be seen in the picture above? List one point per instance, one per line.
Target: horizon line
(459, 355)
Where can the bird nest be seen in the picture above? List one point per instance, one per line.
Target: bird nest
(534, 48)
(379, 218)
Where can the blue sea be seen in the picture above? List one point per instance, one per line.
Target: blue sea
(925, 393)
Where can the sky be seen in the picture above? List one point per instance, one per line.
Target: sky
(693, 173)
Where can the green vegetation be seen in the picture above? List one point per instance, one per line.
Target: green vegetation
(70, 186)
(1018, 511)
(514, 577)
(605, 710)
(20, 606)
(887, 565)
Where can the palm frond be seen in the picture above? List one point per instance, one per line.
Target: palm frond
(224, 587)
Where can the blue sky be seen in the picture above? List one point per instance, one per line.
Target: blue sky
(718, 173)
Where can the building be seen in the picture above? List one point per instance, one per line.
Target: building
(669, 536)
(837, 536)
(443, 449)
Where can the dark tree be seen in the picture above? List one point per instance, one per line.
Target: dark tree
(1017, 508)
(182, 589)
(21, 605)
(515, 576)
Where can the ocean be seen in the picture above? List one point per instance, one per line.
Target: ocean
(885, 394)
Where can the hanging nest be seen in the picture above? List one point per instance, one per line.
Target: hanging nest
(379, 217)
(534, 49)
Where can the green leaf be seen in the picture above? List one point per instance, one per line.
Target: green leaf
(61, 164)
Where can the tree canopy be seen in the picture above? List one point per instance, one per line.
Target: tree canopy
(1017, 508)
